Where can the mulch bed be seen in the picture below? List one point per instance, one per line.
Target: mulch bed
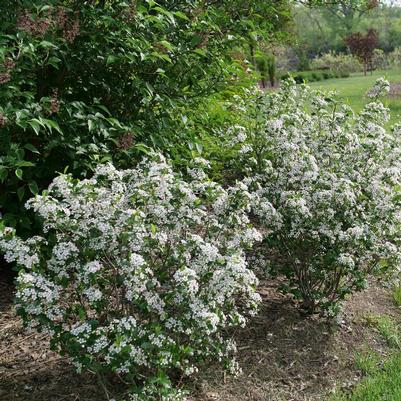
(284, 356)
(287, 357)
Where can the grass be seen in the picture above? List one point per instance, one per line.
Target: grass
(367, 361)
(388, 328)
(382, 379)
(397, 295)
(352, 90)
(383, 384)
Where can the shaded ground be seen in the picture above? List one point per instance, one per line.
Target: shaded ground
(284, 356)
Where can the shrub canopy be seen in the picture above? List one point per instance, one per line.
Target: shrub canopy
(84, 82)
(328, 183)
(138, 272)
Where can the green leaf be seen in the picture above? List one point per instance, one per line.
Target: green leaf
(33, 187)
(91, 125)
(25, 163)
(181, 15)
(21, 193)
(167, 45)
(201, 52)
(104, 108)
(18, 173)
(149, 87)
(32, 148)
(143, 148)
(111, 59)
(51, 124)
(47, 45)
(44, 8)
(35, 126)
(196, 39)
(20, 154)
(54, 61)
(3, 173)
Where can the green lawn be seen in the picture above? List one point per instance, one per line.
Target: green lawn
(352, 89)
(382, 383)
(382, 376)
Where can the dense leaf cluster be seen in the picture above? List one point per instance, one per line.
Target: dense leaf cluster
(83, 82)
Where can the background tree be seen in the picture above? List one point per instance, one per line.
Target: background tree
(347, 13)
(363, 46)
(318, 31)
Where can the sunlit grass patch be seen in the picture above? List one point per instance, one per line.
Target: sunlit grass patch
(383, 384)
(381, 377)
(353, 90)
(388, 328)
(367, 361)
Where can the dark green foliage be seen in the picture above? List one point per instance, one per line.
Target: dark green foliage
(266, 66)
(313, 76)
(261, 64)
(271, 69)
(84, 82)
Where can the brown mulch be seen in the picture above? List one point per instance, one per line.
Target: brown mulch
(287, 357)
(284, 356)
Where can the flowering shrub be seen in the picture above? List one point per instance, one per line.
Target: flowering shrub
(340, 64)
(380, 60)
(394, 58)
(138, 272)
(380, 88)
(329, 184)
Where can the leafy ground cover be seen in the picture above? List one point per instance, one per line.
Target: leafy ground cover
(353, 89)
(283, 355)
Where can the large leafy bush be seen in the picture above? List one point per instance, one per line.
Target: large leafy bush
(83, 82)
(329, 183)
(137, 272)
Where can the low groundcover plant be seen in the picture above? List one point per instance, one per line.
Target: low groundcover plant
(138, 273)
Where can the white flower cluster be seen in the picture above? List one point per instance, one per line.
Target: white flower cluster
(380, 88)
(329, 188)
(142, 271)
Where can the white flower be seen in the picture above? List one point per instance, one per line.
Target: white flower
(142, 268)
(380, 88)
(325, 185)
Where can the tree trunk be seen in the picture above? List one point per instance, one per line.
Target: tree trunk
(252, 51)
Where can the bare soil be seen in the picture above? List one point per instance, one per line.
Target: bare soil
(284, 356)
